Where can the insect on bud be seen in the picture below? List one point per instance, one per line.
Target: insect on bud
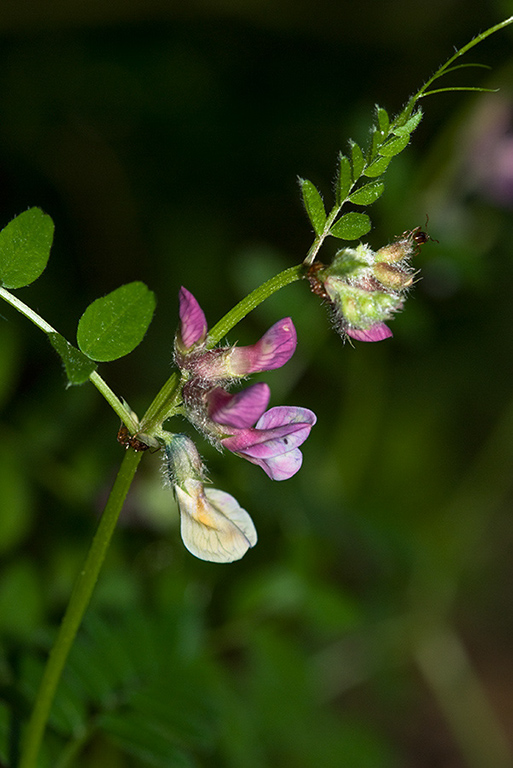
(364, 289)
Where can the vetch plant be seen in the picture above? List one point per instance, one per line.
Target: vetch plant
(362, 289)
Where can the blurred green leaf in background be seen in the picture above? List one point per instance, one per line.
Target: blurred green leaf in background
(165, 143)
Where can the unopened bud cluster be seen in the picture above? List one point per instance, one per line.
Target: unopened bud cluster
(364, 288)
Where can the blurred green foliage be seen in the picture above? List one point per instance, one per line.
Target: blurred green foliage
(372, 625)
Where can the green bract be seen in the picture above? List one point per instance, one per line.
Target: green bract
(78, 367)
(25, 248)
(114, 325)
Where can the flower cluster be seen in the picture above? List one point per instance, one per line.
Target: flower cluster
(365, 288)
(213, 526)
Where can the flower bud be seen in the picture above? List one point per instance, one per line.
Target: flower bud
(402, 248)
(364, 288)
(193, 324)
(182, 460)
(394, 252)
(393, 277)
(361, 307)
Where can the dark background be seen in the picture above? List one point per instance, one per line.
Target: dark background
(372, 625)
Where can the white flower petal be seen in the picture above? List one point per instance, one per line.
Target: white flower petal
(213, 525)
(233, 511)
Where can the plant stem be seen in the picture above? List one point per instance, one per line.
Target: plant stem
(164, 404)
(15, 302)
(77, 606)
(95, 378)
(251, 301)
(113, 400)
(316, 245)
(460, 52)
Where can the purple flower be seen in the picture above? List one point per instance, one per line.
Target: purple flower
(273, 350)
(273, 442)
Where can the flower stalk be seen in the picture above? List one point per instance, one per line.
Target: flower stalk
(77, 606)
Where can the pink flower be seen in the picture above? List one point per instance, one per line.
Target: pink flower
(240, 422)
(273, 442)
(193, 324)
(377, 332)
(274, 349)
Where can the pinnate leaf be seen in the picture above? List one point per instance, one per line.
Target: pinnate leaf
(368, 193)
(25, 248)
(351, 226)
(78, 367)
(114, 325)
(314, 205)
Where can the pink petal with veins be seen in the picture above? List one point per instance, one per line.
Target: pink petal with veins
(193, 324)
(274, 349)
(377, 332)
(241, 410)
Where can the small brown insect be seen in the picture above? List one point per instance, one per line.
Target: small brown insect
(418, 235)
(316, 285)
(131, 441)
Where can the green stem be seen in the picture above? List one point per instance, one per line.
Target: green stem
(115, 403)
(77, 606)
(251, 301)
(95, 378)
(316, 245)
(164, 405)
(15, 302)
(460, 52)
